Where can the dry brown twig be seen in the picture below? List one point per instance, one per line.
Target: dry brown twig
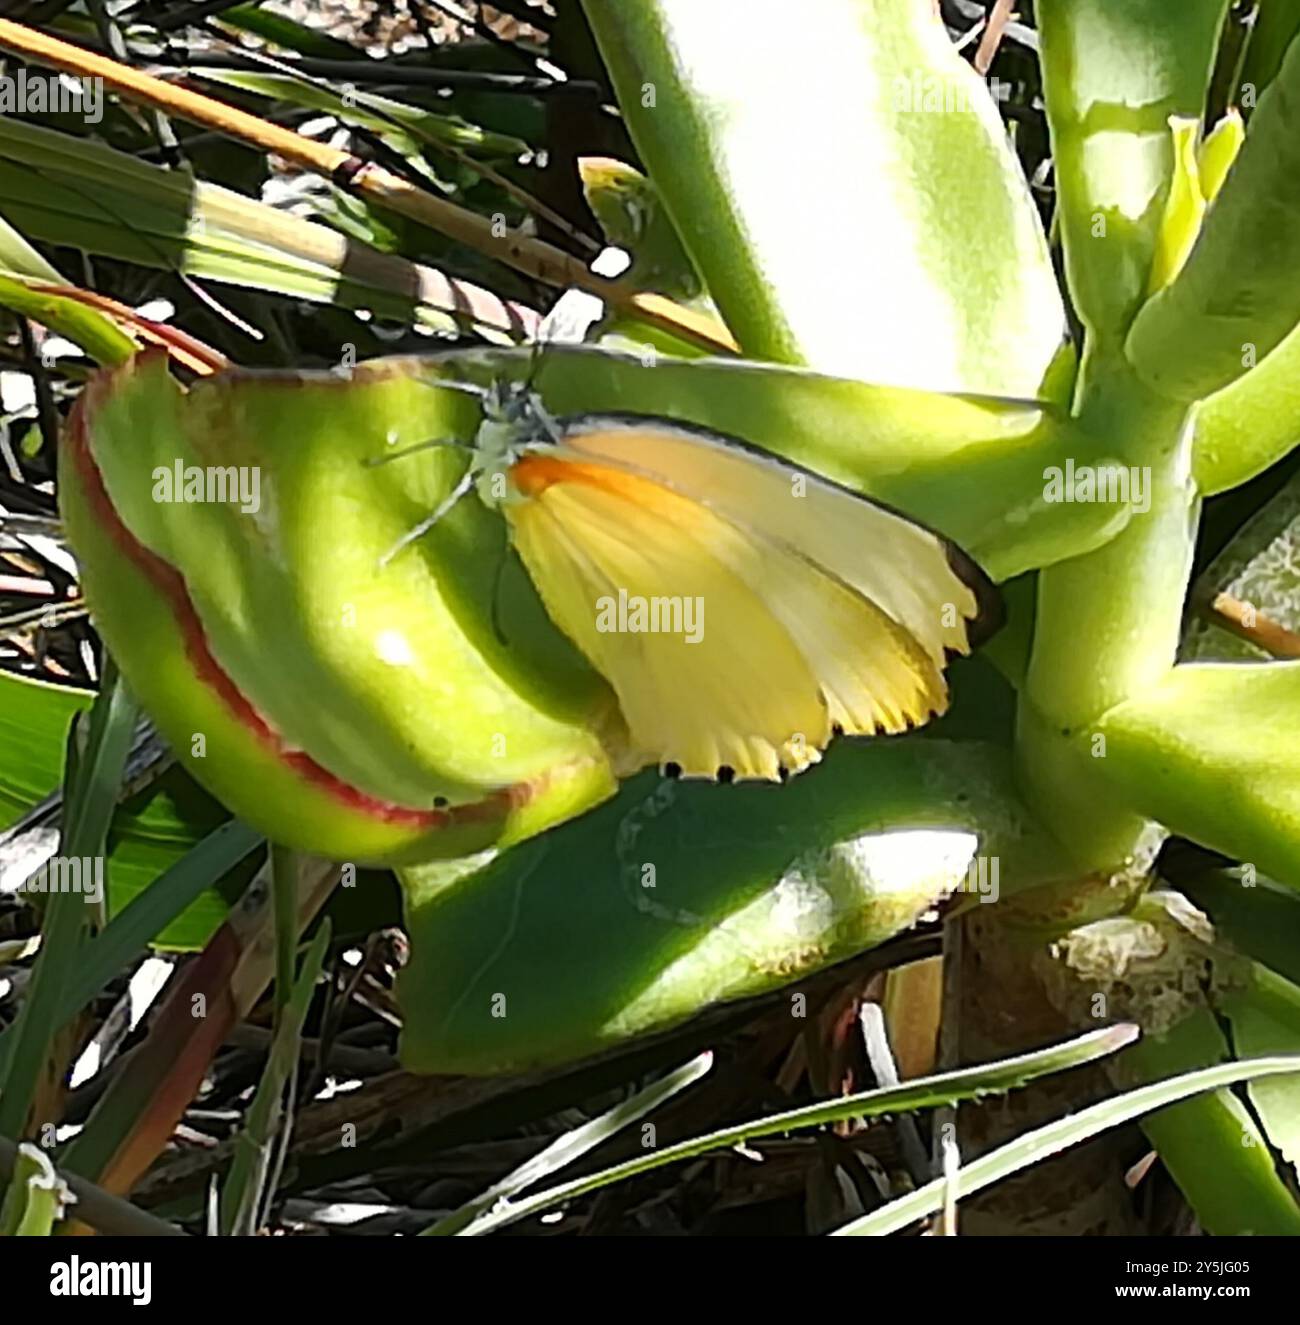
(1246, 622)
(999, 17)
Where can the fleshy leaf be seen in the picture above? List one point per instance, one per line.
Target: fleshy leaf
(1238, 295)
(363, 709)
(1216, 154)
(1244, 428)
(899, 144)
(1211, 753)
(677, 896)
(1113, 74)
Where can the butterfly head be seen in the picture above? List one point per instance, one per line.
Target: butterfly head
(514, 421)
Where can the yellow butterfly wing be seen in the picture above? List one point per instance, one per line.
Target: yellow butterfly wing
(915, 576)
(787, 651)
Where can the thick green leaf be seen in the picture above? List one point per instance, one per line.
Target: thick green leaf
(358, 703)
(1212, 754)
(835, 215)
(1251, 424)
(1114, 71)
(676, 896)
(1238, 297)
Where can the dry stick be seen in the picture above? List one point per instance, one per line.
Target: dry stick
(98, 1208)
(992, 37)
(542, 261)
(1250, 624)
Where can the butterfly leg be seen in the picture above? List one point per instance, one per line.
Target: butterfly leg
(462, 487)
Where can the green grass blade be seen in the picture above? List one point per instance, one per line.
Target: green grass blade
(133, 929)
(244, 1189)
(404, 125)
(283, 31)
(1044, 1142)
(95, 198)
(572, 1146)
(924, 1093)
(284, 897)
(90, 806)
(141, 921)
(1264, 1019)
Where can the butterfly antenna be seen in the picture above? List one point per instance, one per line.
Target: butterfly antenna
(374, 461)
(540, 342)
(461, 488)
(457, 384)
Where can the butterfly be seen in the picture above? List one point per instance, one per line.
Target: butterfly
(744, 610)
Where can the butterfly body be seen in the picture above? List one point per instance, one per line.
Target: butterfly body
(743, 610)
(514, 423)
